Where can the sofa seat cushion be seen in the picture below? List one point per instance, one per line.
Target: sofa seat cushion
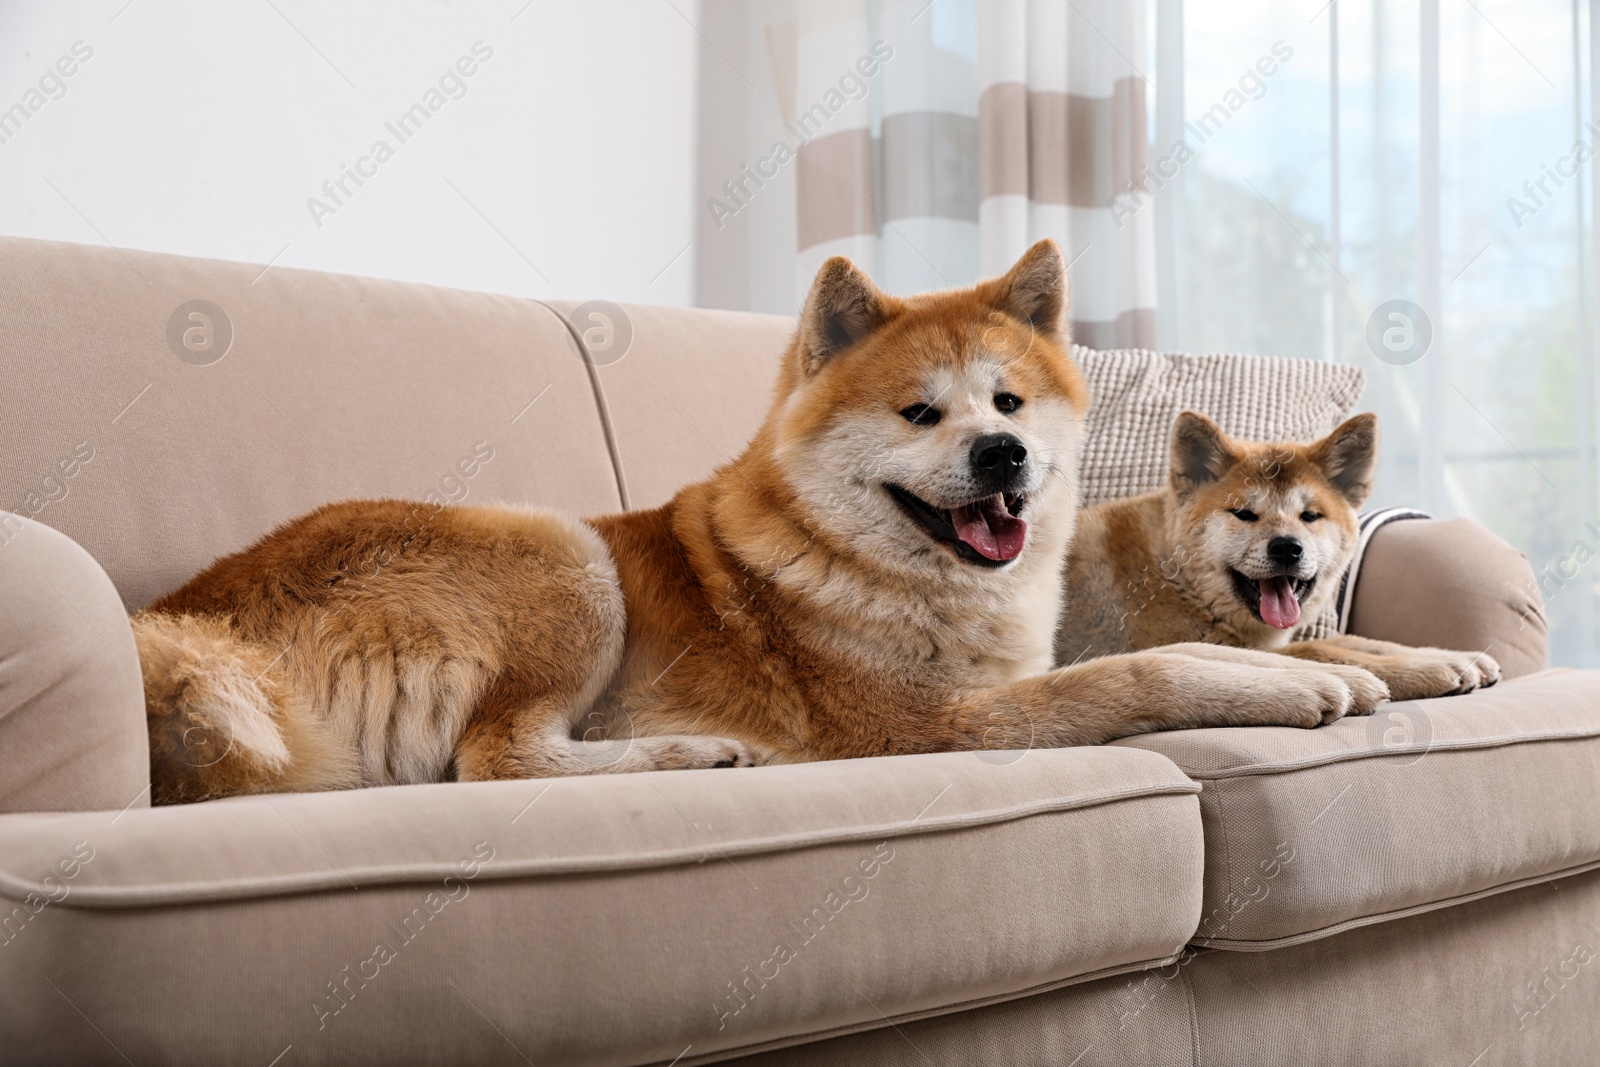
(1425, 804)
(589, 920)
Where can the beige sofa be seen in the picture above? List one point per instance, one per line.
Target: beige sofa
(1417, 887)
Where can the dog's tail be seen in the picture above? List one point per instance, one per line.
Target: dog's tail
(224, 718)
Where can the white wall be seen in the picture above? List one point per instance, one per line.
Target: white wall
(203, 128)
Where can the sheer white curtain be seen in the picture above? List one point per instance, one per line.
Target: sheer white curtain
(1438, 155)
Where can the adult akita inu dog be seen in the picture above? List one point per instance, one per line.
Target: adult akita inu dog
(1247, 538)
(878, 573)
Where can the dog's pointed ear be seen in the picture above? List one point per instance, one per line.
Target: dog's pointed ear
(1201, 452)
(1348, 455)
(1035, 290)
(842, 308)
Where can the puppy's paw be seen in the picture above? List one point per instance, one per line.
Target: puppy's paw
(1420, 673)
(1488, 669)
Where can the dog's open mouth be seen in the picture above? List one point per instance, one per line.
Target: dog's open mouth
(1276, 600)
(989, 532)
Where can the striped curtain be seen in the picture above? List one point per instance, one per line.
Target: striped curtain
(979, 128)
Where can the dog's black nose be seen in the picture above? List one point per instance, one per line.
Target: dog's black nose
(1284, 550)
(999, 455)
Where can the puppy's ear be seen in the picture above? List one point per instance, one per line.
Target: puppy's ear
(1034, 290)
(842, 308)
(1348, 455)
(1201, 452)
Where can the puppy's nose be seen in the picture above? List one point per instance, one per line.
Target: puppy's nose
(1284, 550)
(998, 454)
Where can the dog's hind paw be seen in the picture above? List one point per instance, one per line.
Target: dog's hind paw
(685, 753)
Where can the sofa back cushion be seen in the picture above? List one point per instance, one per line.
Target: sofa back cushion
(159, 441)
(683, 389)
(164, 410)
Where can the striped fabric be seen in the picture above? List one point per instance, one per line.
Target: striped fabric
(1062, 124)
(835, 190)
(1136, 395)
(1371, 523)
(984, 128)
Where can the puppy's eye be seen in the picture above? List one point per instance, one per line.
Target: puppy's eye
(1245, 515)
(920, 415)
(1309, 516)
(1006, 403)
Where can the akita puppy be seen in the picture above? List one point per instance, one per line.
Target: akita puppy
(878, 573)
(1247, 539)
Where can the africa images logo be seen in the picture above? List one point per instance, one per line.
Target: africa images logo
(851, 85)
(1399, 332)
(452, 85)
(199, 333)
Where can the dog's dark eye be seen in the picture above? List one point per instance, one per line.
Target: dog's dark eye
(1245, 515)
(920, 415)
(1309, 516)
(1006, 403)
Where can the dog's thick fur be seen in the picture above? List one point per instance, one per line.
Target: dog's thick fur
(1187, 563)
(790, 608)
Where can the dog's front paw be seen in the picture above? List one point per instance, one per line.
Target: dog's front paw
(1367, 690)
(1488, 669)
(1328, 696)
(1330, 691)
(1303, 698)
(1436, 672)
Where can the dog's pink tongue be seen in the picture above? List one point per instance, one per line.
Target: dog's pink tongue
(1278, 606)
(990, 529)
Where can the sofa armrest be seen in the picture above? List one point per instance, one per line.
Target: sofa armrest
(72, 726)
(1451, 584)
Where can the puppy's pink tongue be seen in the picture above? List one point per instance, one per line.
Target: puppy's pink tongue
(990, 529)
(1278, 606)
